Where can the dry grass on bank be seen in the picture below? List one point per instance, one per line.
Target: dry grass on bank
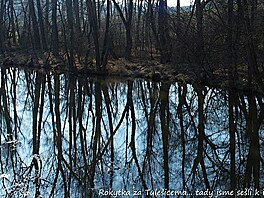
(147, 69)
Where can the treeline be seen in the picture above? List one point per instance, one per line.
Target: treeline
(210, 33)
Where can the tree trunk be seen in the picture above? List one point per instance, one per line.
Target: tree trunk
(139, 41)
(77, 17)
(41, 26)
(128, 42)
(127, 21)
(232, 135)
(2, 9)
(199, 36)
(254, 157)
(165, 54)
(230, 44)
(36, 37)
(106, 44)
(253, 71)
(164, 119)
(71, 40)
(11, 11)
(54, 39)
(128, 29)
(47, 11)
(94, 25)
(178, 14)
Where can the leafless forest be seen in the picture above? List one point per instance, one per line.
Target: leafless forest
(210, 35)
(194, 127)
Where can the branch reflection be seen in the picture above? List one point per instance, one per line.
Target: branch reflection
(66, 136)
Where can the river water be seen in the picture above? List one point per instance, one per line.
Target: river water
(76, 136)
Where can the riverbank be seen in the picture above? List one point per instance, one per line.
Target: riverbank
(137, 68)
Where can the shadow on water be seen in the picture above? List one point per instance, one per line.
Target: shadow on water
(63, 136)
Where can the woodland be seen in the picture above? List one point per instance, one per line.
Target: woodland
(131, 95)
(213, 41)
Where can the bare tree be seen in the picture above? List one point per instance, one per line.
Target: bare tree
(2, 9)
(71, 39)
(41, 26)
(164, 118)
(100, 55)
(11, 13)
(36, 37)
(164, 42)
(127, 21)
(199, 36)
(249, 21)
(54, 36)
(76, 9)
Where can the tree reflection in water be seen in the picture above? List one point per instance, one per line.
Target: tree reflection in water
(66, 136)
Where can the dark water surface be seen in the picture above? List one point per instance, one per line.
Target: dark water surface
(66, 136)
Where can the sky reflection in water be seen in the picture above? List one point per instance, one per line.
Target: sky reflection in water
(67, 136)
